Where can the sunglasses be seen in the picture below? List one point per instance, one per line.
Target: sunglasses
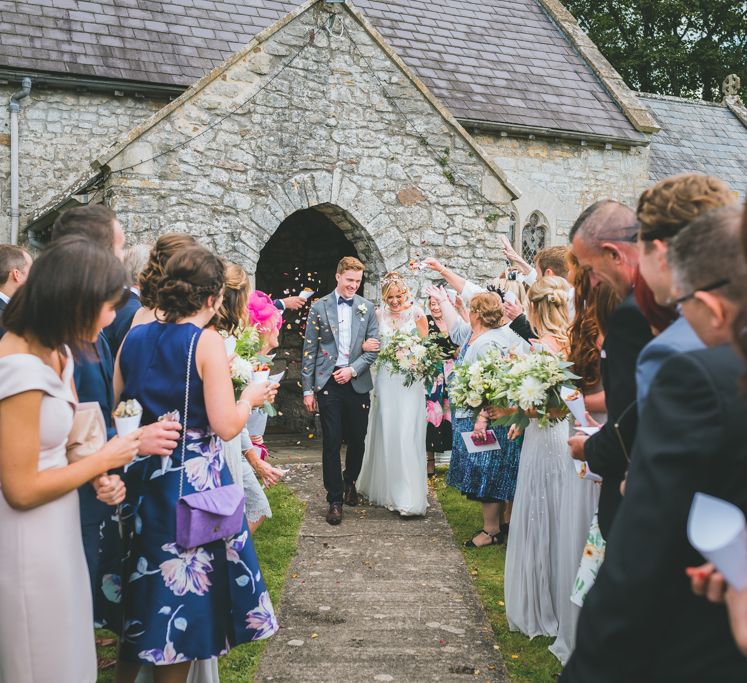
(708, 288)
(626, 234)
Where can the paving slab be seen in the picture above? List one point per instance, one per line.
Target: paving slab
(378, 598)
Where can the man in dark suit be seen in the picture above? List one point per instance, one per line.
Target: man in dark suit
(14, 269)
(135, 260)
(641, 621)
(94, 383)
(603, 239)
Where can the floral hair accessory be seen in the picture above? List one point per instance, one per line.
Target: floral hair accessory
(262, 312)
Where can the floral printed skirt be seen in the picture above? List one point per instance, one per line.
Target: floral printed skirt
(182, 604)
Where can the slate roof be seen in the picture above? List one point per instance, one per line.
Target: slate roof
(697, 136)
(500, 61)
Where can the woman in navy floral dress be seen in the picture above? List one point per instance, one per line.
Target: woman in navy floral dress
(183, 604)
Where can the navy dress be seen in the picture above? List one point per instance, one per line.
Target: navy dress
(489, 476)
(181, 604)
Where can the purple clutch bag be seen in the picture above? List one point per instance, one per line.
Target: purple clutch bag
(208, 516)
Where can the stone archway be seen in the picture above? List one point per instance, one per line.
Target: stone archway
(303, 252)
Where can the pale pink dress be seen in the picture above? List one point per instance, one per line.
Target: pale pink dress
(46, 615)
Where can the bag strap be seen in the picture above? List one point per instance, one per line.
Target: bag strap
(186, 412)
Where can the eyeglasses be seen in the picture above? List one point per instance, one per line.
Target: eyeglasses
(708, 288)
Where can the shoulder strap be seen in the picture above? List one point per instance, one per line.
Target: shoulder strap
(186, 412)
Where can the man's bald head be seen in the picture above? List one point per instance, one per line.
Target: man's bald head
(603, 239)
(606, 220)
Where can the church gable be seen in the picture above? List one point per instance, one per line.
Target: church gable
(316, 112)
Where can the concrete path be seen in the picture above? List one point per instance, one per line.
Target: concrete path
(378, 598)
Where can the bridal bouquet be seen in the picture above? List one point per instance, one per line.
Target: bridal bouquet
(533, 384)
(482, 383)
(416, 359)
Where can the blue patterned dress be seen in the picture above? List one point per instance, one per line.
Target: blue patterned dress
(489, 476)
(181, 604)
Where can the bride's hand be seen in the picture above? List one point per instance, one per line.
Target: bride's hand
(371, 345)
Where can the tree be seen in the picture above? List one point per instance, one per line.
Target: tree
(670, 47)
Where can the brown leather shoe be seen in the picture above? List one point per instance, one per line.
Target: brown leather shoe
(351, 495)
(334, 514)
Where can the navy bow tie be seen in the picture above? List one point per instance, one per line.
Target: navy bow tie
(341, 300)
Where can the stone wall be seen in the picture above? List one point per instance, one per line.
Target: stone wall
(60, 132)
(322, 133)
(561, 178)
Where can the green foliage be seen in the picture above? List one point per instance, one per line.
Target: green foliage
(275, 542)
(670, 47)
(527, 661)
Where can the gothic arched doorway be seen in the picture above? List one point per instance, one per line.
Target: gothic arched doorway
(303, 253)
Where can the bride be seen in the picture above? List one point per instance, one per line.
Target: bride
(393, 473)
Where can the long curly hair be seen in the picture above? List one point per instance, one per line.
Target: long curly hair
(594, 306)
(232, 314)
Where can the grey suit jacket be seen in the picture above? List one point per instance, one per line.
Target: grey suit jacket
(320, 343)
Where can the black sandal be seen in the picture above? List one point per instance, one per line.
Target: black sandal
(495, 539)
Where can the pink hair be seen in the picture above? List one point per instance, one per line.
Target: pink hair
(262, 312)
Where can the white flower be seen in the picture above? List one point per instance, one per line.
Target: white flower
(363, 309)
(531, 392)
(241, 370)
(418, 351)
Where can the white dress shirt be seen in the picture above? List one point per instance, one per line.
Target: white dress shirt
(344, 332)
(4, 297)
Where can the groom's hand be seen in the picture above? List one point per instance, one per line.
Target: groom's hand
(343, 375)
(310, 403)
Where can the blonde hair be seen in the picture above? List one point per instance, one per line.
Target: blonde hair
(232, 314)
(488, 308)
(392, 281)
(548, 308)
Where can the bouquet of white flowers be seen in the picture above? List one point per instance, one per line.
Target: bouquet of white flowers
(416, 359)
(532, 386)
(482, 383)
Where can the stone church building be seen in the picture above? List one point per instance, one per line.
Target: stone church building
(286, 135)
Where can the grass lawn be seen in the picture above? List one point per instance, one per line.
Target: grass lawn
(527, 661)
(275, 543)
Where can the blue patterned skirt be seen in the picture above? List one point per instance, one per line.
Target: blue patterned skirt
(181, 604)
(488, 476)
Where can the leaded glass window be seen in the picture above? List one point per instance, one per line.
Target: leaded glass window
(533, 236)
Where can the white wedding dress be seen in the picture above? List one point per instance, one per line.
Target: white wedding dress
(394, 472)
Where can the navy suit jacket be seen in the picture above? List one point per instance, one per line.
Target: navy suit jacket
(641, 622)
(94, 381)
(117, 331)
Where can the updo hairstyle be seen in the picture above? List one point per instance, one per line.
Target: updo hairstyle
(232, 314)
(548, 308)
(191, 277)
(165, 247)
(393, 281)
(488, 309)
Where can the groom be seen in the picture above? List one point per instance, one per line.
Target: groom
(336, 376)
